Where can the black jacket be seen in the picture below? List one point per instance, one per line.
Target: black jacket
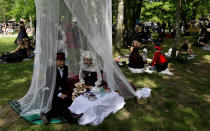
(61, 82)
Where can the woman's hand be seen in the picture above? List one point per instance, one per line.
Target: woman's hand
(63, 96)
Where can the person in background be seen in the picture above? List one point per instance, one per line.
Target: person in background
(1, 31)
(202, 41)
(22, 33)
(16, 55)
(135, 60)
(187, 48)
(159, 62)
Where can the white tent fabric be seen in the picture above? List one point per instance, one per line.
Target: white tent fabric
(71, 26)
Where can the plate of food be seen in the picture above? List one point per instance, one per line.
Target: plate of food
(80, 91)
(78, 84)
(86, 94)
(92, 97)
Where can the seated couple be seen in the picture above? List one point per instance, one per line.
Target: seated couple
(89, 75)
(136, 61)
(22, 51)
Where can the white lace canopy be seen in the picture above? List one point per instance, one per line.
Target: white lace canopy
(71, 26)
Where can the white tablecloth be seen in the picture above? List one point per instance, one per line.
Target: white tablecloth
(94, 112)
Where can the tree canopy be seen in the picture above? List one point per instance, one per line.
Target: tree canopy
(17, 9)
(165, 10)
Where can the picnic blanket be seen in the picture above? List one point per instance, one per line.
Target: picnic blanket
(35, 118)
(165, 72)
(206, 47)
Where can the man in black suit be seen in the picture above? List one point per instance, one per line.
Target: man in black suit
(61, 101)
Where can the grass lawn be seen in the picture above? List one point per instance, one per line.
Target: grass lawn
(179, 102)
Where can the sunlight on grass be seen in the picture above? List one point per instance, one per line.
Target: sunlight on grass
(206, 57)
(207, 97)
(123, 114)
(147, 82)
(2, 122)
(188, 112)
(7, 44)
(17, 81)
(150, 119)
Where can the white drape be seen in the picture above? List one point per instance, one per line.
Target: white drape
(71, 26)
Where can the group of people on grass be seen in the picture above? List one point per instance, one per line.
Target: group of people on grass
(7, 28)
(160, 61)
(90, 74)
(139, 61)
(23, 49)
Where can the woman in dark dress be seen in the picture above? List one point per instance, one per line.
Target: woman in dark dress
(17, 55)
(135, 60)
(89, 74)
(22, 33)
(202, 41)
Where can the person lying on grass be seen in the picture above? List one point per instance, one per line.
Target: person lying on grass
(16, 55)
(159, 62)
(61, 101)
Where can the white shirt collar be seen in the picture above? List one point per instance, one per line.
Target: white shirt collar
(60, 69)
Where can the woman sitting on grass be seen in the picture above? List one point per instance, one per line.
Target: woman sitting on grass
(16, 55)
(20, 46)
(202, 41)
(136, 61)
(187, 48)
(89, 74)
(159, 62)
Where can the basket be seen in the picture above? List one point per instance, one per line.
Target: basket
(142, 101)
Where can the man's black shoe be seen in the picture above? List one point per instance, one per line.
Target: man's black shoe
(76, 116)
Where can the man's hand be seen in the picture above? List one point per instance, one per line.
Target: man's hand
(63, 96)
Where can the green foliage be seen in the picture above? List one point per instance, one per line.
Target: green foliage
(17, 9)
(23, 9)
(195, 9)
(164, 10)
(5, 8)
(158, 11)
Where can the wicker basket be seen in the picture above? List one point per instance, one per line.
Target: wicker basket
(142, 101)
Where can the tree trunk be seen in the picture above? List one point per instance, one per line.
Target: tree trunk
(137, 12)
(120, 24)
(128, 15)
(177, 37)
